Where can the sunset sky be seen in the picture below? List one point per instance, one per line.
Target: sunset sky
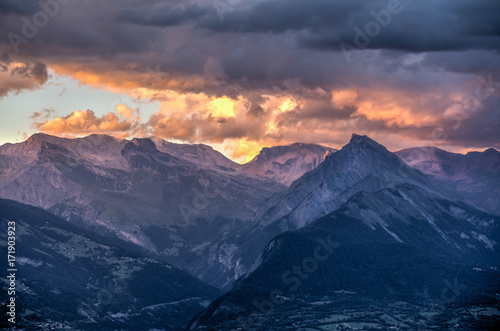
(243, 74)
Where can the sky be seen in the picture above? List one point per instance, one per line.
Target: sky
(243, 74)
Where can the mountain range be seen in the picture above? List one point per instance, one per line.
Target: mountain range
(475, 175)
(303, 236)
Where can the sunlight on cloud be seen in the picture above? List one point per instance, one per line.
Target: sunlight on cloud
(120, 123)
(244, 149)
(343, 98)
(397, 109)
(222, 107)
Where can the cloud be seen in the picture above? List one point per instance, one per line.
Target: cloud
(44, 114)
(17, 77)
(200, 118)
(416, 26)
(270, 72)
(284, 15)
(166, 15)
(121, 123)
(126, 112)
(18, 7)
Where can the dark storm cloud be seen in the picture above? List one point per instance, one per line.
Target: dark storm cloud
(164, 16)
(283, 15)
(417, 26)
(37, 71)
(427, 53)
(479, 128)
(469, 62)
(18, 6)
(27, 76)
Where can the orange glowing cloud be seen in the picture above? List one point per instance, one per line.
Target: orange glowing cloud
(343, 98)
(240, 123)
(244, 149)
(120, 123)
(399, 108)
(125, 111)
(134, 80)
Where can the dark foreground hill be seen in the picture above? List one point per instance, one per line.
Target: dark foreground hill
(393, 258)
(70, 278)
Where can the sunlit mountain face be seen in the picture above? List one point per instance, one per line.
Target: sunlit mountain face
(170, 165)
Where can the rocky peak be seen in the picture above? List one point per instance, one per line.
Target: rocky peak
(142, 144)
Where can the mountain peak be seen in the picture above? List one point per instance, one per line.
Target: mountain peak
(37, 136)
(143, 143)
(198, 153)
(361, 165)
(285, 164)
(356, 138)
(360, 139)
(491, 151)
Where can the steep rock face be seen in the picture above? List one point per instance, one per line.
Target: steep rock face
(71, 278)
(476, 175)
(285, 164)
(142, 195)
(400, 244)
(361, 165)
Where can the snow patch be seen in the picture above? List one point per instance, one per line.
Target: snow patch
(226, 255)
(458, 212)
(484, 239)
(119, 315)
(371, 219)
(25, 260)
(170, 303)
(433, 224)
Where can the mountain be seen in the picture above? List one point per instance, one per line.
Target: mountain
(199, 153)
(400, 257)
(361, 165)
(163, 203)
(285, 164)
(70, 278)
(188, 204)
(476, 175)
(100, 150)
(367, 225)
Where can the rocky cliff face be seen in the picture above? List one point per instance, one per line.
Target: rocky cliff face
(285, 164)
(164, 203)
(361, 165)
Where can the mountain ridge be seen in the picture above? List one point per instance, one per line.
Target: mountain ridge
(475, 175)
(71, 278)
(285, 164)
(378, 248)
